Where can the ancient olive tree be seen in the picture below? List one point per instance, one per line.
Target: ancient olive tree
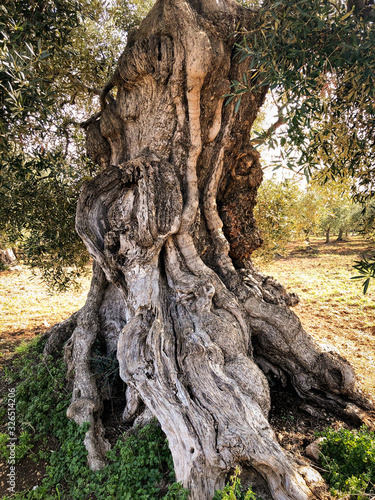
(169, 223)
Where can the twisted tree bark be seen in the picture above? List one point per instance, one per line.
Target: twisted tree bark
(169, 222)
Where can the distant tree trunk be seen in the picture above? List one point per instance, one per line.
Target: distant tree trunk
(197, 330)
(341, 232)
(328, 230)
(7, 256)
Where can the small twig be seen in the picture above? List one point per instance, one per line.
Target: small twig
(66, 133)
(54, 378)
(319, 468)
(350, 495)
(91, 120)
(280, 121)
(285, 168)
(91, 90)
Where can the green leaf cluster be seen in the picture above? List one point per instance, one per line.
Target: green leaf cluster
(366, 266)
(139, 465)
(128, 14)
(233, 491)
(36, 186)
(23, 446)
(28, 38)
(319, 60)
(55, 56)
(366, 270)
(349, 458)
(38, 195)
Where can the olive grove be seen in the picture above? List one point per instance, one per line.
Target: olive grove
(198, 332)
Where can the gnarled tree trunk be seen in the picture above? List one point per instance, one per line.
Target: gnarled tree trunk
(340, 235)
(169, 222)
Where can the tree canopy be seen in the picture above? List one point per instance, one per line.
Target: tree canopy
(319, 59)
(55, 58)
(316, 57)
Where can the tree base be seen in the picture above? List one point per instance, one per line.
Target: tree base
(197, 331)
(213, 417)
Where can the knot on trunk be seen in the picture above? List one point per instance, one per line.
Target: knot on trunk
(139, 205)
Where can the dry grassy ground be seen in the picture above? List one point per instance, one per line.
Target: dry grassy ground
(27, 308)
(332, 306)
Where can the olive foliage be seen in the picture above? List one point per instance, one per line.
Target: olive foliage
(318, 59)
(55, 56)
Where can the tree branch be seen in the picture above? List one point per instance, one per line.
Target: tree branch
(92, 119)
(363, 8)
(90, 90)
(280, 121)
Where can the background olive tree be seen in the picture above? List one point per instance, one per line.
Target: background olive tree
(55, 56)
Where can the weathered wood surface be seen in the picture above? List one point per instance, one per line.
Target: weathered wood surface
(169, 223)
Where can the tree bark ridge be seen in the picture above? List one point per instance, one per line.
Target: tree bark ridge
(169, 223)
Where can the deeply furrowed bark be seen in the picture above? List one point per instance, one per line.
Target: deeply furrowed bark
(169, 223)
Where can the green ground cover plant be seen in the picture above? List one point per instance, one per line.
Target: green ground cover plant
(233, 491)
(139, 465)
(349, 459)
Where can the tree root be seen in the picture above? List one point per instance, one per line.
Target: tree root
(195, 337)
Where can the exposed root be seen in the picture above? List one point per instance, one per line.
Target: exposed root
(284, 350)
(59, 334)
(86, 403)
